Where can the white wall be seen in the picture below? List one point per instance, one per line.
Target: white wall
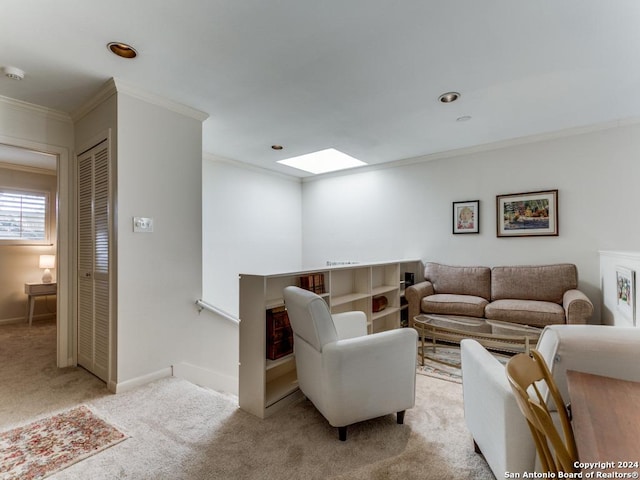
(405, 211)
(159, 274)
(251, 224)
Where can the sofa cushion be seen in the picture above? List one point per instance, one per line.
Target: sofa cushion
(474, 281)
(545, 283)
(450, 304)
(525, 312)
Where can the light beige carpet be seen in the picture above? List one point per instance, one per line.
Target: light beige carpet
(178, 430)
(30, 383)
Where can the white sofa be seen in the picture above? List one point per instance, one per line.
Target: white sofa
(492, 416)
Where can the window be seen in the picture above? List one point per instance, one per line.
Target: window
(24, 217)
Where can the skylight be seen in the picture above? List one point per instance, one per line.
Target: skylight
(329, 160)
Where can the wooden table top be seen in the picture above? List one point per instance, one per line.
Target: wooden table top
(606, 420)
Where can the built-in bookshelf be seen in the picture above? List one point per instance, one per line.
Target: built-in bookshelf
(268, 385)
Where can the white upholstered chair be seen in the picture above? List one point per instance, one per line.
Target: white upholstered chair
(348, 375)
(499, 429)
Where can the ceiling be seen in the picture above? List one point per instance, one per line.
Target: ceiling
(361, 76)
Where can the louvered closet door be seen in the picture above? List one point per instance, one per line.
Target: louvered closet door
(93, 261)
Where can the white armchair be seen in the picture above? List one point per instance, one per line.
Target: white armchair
(499, 429)
(348, 375)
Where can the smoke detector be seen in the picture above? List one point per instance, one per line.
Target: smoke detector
(13, 73)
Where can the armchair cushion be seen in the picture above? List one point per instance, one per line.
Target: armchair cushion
(350, 324)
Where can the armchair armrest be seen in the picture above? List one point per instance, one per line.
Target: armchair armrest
(577, 307)
(599, 349)
(414, 295)
(492, 414)
(369, 376)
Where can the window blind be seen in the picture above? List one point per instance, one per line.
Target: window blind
(23, 215)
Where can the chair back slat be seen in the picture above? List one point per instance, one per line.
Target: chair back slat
(527, 373)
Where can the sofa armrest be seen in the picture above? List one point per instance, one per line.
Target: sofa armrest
(492, 414)
(577, 307)
(414, 295)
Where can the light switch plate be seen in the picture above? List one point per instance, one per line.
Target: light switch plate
(142, 224)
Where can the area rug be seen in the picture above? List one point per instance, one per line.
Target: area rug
(51, 444)
(444, 363)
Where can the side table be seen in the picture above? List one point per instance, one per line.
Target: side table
(34, 290)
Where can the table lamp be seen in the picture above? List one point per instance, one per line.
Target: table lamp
(47, 262)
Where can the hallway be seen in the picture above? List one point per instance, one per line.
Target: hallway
(30, 383)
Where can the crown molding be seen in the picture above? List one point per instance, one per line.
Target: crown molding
(37, 109)
(485, 147)
(114, 85)
(140, 94)
(107, 90)
(525, 140)
(248, 166)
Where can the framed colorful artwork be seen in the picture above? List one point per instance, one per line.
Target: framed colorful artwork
(527, 214)
(466, 217)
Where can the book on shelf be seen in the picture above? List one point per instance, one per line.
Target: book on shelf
(313, 282)
(279, 334)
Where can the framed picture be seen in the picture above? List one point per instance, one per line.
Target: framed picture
(466, 217)
(527, 214)
(626, 292)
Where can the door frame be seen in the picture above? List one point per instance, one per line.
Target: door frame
(64, 204)
(104, 135)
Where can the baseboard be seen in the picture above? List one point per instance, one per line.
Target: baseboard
(40, 316)
(127, 385)
(206, 378)
(12, 320)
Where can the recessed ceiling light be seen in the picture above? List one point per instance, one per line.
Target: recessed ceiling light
(463, 118)
(277, 147)
(122, 50)
(329, 160)
(13, 73)
(449, 97)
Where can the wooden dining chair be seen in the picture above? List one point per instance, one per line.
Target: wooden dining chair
(529, 374)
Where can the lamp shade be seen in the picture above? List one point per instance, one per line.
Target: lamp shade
(47, 261)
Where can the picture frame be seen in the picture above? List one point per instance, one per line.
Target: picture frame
(626, 292)
(466, 217)
(527, 214)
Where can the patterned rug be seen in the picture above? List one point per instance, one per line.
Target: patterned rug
(444, 363)
(46, 446)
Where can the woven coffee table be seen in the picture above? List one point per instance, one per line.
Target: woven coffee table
(492, 334)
